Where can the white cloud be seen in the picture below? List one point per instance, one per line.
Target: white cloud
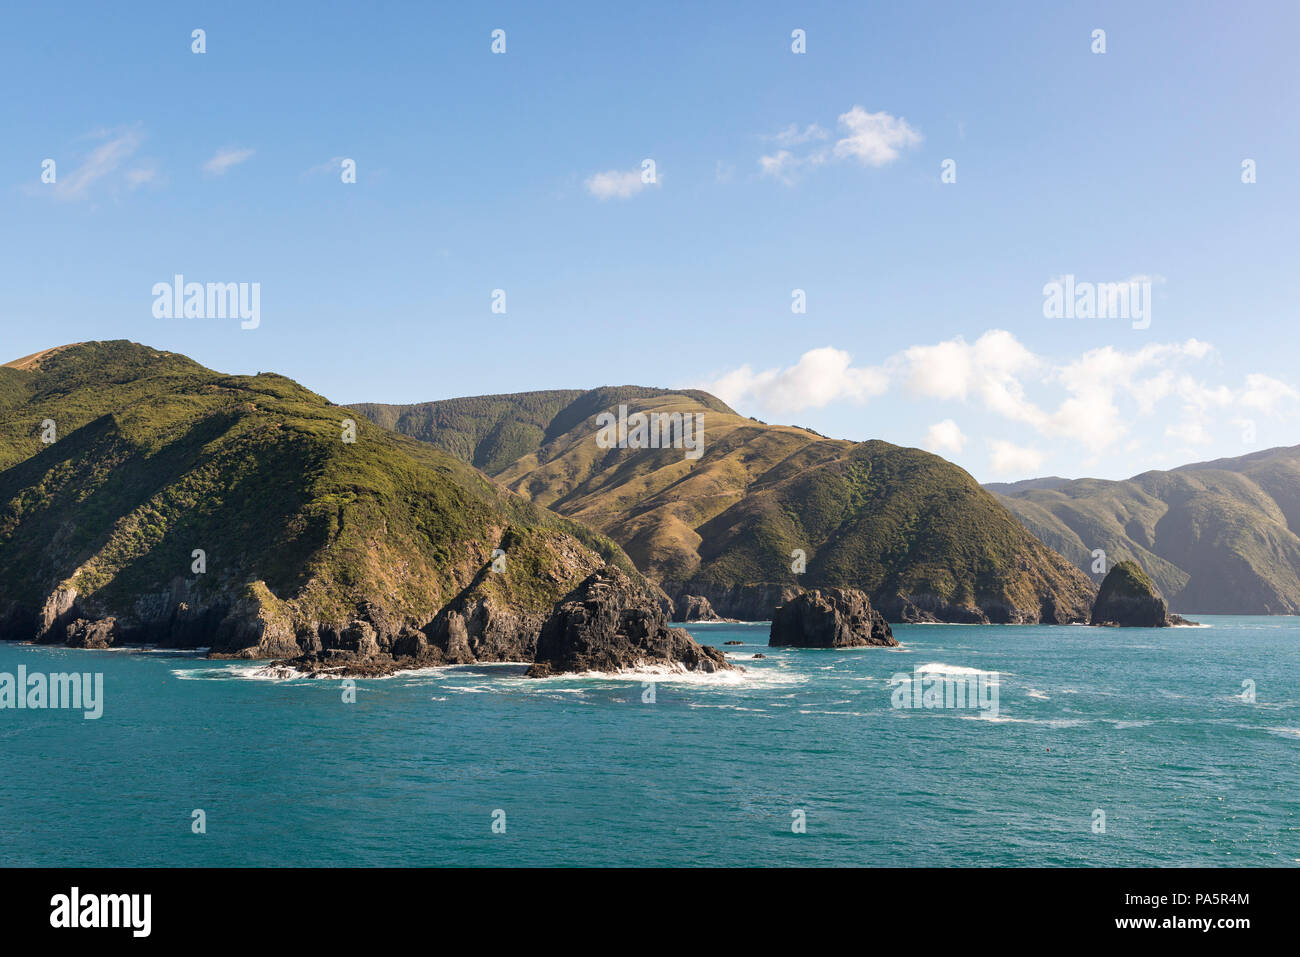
(1265, 393)
(1095, 402)
(225, 159)
(988, 370)
(1191, 431)
(820, 377)
(1091, 414)
(617, 184)
(1006, 458)
(780, 165)
(99, 163)
(872, 139)
(944, 436)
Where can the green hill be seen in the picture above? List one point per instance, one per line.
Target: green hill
(911, 529)
(308, 540)
(1217, 537)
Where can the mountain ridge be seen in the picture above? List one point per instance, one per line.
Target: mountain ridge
(911, 529)
(1217, 537)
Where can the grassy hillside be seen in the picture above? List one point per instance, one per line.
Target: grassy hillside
(913, 530)
(304, 533)
(491, 431)
(1217, 537)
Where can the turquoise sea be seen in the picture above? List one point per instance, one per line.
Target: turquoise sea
(1148, 726)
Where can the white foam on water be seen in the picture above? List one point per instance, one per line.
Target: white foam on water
(243, 671)
(1003, 718)
(151, 650)
(678, 674)
(725, 707)
(939, 668)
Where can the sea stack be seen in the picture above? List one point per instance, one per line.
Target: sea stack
(694, 608)
(830, 618)
(610, 624)
(1129, 598)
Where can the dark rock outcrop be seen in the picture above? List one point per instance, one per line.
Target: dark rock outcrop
(694, 608)
(609, 624)
(758, 602)
(84, 633)
(926, 609)
(830, 618)
(480, 629)
(736, 602)
(1129, 598)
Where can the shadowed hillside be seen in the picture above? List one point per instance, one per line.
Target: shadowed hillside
(1217, 537)
(118, 462)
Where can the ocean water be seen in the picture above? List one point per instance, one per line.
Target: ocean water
(1148, 726)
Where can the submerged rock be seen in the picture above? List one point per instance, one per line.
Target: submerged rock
(1129, 598)
(609, 624)
(830, 618)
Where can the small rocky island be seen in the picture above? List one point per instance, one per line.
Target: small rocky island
(607, 624)
(829, 618)
(1129, 598)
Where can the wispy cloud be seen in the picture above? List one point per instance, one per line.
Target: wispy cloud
(100, 163)
(870, 139)
(330, 167)
(617, 184)
(793, 136)
(226, 159)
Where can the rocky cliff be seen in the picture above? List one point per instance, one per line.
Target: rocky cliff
(145, 499)
(608, 624)
(829, 618)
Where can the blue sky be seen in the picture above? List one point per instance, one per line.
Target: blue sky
(775, 171)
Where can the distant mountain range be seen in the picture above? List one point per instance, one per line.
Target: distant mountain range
(1217, 537)
(914, 531)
